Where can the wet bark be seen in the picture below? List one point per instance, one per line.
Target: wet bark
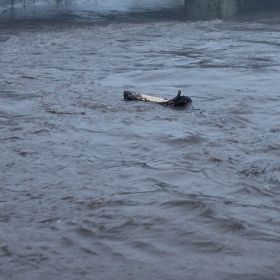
(177, 101)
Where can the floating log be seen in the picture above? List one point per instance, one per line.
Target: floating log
(177, 101)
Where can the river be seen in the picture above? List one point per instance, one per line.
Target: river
(95, 187)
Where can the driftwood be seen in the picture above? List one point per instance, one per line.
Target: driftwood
(178, 101)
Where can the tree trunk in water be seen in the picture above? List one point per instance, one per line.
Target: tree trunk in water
(177, 101)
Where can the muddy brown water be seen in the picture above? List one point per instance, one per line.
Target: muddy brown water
(94, 187)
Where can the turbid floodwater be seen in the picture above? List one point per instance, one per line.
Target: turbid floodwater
(95, 187)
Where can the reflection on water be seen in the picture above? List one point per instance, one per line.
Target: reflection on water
(93, 187)
(89, 11)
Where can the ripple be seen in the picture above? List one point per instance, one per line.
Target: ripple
(94, 185)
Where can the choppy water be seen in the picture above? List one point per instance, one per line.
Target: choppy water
(93, 187)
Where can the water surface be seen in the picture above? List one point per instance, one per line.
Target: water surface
(94, 187)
